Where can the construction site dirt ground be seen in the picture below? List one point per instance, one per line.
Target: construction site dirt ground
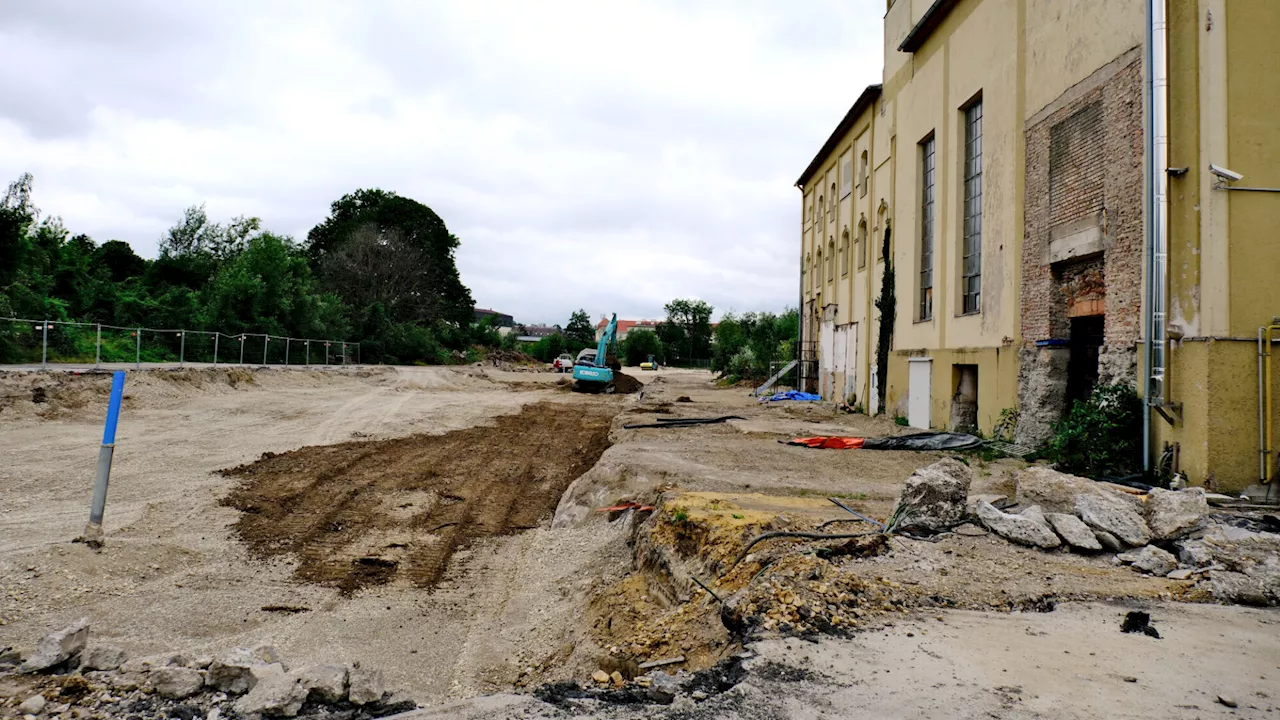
(403, 517)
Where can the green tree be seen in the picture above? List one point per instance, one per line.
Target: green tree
(887, 304)
(548, 348)
(378, 247)
(579, 333)
(687, 332)
(748, 344)
(639, 345)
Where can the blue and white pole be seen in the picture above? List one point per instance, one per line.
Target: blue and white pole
(93, 531)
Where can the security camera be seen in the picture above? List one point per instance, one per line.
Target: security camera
(1224, 173)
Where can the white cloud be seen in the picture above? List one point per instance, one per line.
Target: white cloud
(606, 156)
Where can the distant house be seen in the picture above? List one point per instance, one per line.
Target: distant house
(501, 320)
(626, 326)
(534, 333)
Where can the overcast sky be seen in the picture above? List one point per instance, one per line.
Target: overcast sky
(610, 156)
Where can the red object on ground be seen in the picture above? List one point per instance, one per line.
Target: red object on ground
(830, 443)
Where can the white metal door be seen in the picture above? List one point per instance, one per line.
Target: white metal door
(920, 371)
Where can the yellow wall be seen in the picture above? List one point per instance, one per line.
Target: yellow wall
(1253, 150)
(848, 292)
(1223, 255)
(1067, 40)
(1022, 56)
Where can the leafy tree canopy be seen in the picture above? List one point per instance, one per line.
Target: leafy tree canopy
(379, 247)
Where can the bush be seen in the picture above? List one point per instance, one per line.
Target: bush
(548, 348)
(1101, 435)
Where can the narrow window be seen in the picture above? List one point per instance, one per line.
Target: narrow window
(831, 259)
(817, 271)
(846, 176)
(833, 202)
(844, 252)
(926, 228)
(971, 282)
(862, 244)
(862, 175)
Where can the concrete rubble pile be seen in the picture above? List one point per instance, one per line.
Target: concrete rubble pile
(1164, 533)
(75, 679)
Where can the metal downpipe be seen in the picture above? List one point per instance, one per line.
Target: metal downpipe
(1262, 418)
(1157, 162)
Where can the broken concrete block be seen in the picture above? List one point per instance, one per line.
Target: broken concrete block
(365, 686)
(176, 682)
(1238, 588)
(1172, 514)
(58, 647)
(325, 683)
(239, 670)
(127, 681)
(1053, 491)
(935, 495)
(102, 657)
(267, 654)
(33, 705)
(1105, 511)
(1195, 553)
(1032, 530)
(1180, 574)
(1151, 560)
(277, 696)
(1074, 531)
(1109, 542)
(151, 662)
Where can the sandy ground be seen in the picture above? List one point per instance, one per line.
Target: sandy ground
(1071, 664)
(173, 578)
(509, 612)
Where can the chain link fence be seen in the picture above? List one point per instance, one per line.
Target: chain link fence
(46, 342)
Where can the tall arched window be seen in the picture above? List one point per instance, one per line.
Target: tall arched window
(822, 209)
(817, 271)
(862, 243)
(844, 252)
(862, 175)
(833, 201)
(831, 259)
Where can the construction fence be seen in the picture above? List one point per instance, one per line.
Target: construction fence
(47, 342)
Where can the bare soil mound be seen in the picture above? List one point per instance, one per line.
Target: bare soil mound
(362, 513)
(625, 384)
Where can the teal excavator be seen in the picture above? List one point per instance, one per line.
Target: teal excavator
(593, 369)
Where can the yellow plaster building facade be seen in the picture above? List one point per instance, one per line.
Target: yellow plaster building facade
(945, 137)
(1004, 161)
(1223, 245)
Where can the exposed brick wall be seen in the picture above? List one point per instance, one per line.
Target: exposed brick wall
(1077, 165)
(1096, 169)
(1084, 161)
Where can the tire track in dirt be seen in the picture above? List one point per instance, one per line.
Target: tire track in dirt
(365, 513)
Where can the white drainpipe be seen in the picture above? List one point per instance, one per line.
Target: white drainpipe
(1157, 162)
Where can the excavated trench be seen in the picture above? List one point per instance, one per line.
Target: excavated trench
(364, 513)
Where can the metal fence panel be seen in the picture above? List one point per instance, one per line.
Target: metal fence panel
(42, 342)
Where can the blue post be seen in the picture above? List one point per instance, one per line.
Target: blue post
(93, 531)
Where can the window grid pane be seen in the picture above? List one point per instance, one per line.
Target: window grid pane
(971, 266)
(926, 230)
